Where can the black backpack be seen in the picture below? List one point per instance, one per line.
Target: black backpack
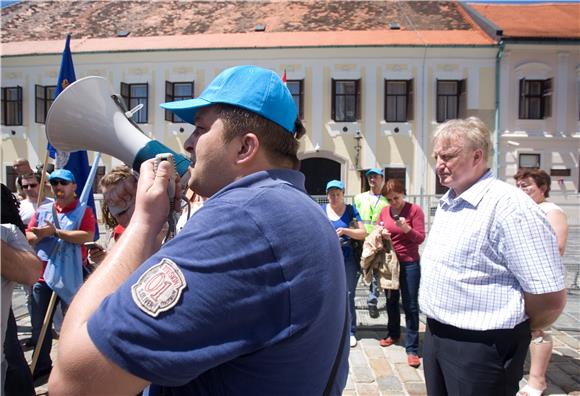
(356, 244)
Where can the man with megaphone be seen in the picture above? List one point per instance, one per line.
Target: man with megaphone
(249, 298)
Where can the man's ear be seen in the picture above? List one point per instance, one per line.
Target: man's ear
(478, 156)
(248, 149)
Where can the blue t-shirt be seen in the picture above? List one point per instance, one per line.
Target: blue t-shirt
(264, 304)
(344, 222)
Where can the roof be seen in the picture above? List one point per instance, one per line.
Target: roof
(158, 25)
(533, 21)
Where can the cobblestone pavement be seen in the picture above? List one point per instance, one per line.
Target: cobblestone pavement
(375, 370)
(384, 371)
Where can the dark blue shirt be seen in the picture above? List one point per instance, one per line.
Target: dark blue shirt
(263, 309)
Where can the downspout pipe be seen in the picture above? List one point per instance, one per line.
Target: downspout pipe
(498, 57)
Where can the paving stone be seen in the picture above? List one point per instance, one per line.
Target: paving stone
(415, 388)
(357, 358)
(395, 354)
(570, 369)
(407, 373)
(563, 380)
(373, 350)
(381, 367)
(568, 352)
(389, 383)
(362, 375)
(367, 389)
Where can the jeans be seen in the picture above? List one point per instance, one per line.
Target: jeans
(352, 274)
(373, 298)
(41, 294)
(409, 278)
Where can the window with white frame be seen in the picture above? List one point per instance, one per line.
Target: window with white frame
(345, 100)
(451, 99)
(44, 96)
(398, 100)
(529, 160)
(535, 99)
(12, 106)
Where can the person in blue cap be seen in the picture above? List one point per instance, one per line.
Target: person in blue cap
(249, 298)
(57, 230)
(369, 205)
(342, 217)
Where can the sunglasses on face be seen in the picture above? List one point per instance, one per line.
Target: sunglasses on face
(56, 182)
(28, 186)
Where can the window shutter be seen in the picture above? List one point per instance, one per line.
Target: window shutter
(168, 98)
(385, 101)
(462, 99)
(333, 100)
(357, 111)
(522, 106)
(547, 98)
(146, 104)
(125, 92)
(410, 100)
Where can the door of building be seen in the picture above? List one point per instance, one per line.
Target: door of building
(318, 172)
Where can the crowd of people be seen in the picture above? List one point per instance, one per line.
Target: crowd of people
(255, 294)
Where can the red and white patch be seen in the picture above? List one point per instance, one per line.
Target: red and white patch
(159, 289)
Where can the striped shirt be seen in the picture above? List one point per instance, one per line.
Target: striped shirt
(485, 248)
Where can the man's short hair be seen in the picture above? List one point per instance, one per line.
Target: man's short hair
(279, 145)
(540, 177)
(471, 130)
(34, 175)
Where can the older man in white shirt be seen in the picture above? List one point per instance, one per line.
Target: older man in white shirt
(491, 271)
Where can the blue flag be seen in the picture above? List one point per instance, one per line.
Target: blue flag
(78, 161)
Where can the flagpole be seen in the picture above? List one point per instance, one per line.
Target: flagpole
(40, 197)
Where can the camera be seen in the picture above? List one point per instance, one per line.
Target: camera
(396, 217)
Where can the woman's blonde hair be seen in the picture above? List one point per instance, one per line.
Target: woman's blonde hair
(115, 176)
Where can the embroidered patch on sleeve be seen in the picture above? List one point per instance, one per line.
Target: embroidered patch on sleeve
(159, 288)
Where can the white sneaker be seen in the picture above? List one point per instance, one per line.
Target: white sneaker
(352, 341)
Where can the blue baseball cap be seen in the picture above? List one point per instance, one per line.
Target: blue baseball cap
(253, 88)
(62, 174)
(376, 171)
(334, 184)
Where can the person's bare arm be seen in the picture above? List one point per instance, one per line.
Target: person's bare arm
(73, 236)
(544, 309)
(19, 265)
(559, 223)
(80, 367)
(358, 233)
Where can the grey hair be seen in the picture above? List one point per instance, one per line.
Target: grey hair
(471, 131)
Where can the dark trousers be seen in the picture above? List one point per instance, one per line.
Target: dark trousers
(18, 377)
(409, 279)
(468, 362)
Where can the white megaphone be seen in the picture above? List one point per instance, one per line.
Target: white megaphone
(87, 116)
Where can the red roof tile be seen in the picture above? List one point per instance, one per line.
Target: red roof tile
(29, 27)
(555, 20)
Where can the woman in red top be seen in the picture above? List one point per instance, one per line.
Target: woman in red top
(406, 224)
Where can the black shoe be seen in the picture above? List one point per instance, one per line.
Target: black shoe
(41, 373)
(373, 311)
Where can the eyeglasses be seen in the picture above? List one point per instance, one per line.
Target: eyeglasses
(29, 186)
(56, 182)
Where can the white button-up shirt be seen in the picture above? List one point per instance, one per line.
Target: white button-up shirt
(485, 248)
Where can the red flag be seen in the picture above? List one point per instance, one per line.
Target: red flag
(284, 77)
